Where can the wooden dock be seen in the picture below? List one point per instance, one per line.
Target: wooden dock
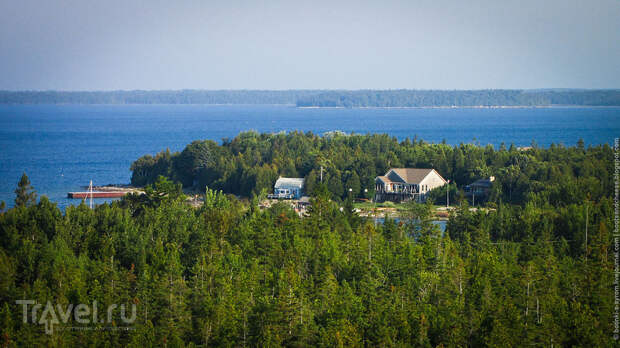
(97, 194)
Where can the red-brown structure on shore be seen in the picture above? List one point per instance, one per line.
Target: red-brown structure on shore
(97, 194)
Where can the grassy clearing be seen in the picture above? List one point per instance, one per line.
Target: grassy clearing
(371, 205)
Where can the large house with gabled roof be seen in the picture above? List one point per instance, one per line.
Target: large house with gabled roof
(406, 184)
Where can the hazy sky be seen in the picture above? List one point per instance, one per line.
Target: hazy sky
(435, 44)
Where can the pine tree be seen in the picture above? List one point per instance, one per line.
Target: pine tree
(7, 331)
(25, 194)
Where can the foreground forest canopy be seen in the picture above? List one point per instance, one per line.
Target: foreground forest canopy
(231, 274)
(326, 98)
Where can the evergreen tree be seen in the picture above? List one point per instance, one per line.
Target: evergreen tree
(25, 194)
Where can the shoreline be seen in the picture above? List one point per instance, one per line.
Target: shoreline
(467, 107)
(558, 106)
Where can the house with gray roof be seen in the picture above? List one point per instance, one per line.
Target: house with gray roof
(288, 188)
(406, 184)
(479, 189)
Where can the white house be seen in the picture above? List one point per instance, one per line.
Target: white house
(288, 188)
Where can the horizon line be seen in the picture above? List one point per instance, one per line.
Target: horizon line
(548, 89)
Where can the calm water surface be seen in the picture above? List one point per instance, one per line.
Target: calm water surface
(63, 147)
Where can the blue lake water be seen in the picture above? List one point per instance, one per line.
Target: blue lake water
(63, 147)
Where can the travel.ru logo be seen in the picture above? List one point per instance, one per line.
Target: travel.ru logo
(50, 315)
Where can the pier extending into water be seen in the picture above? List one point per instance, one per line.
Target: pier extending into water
(103, 192)
(97, 194)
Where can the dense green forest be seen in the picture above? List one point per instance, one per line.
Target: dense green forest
(430, 98)
(251, 162)
(231, 274)
(325, 98)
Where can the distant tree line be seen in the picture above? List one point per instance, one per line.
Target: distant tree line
(325, 98)
(430, 98)
(251, 163)
(155, 97)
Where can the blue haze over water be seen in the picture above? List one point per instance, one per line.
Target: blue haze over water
(63, 147)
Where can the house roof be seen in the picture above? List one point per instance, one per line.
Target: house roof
(290, 182)
(486, 182)
(385, 179)
(412, 175)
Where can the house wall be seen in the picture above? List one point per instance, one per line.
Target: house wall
(432, 180)
(380, 185)
(294, 190)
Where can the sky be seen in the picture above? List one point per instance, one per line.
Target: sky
(287, 44)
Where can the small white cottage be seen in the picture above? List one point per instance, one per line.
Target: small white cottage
(288, 188)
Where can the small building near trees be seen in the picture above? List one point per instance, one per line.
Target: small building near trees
(479, 189)
(288, 188)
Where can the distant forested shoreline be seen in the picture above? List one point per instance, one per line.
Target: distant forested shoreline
(156, 97)
(328, 98)
(430, 98)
